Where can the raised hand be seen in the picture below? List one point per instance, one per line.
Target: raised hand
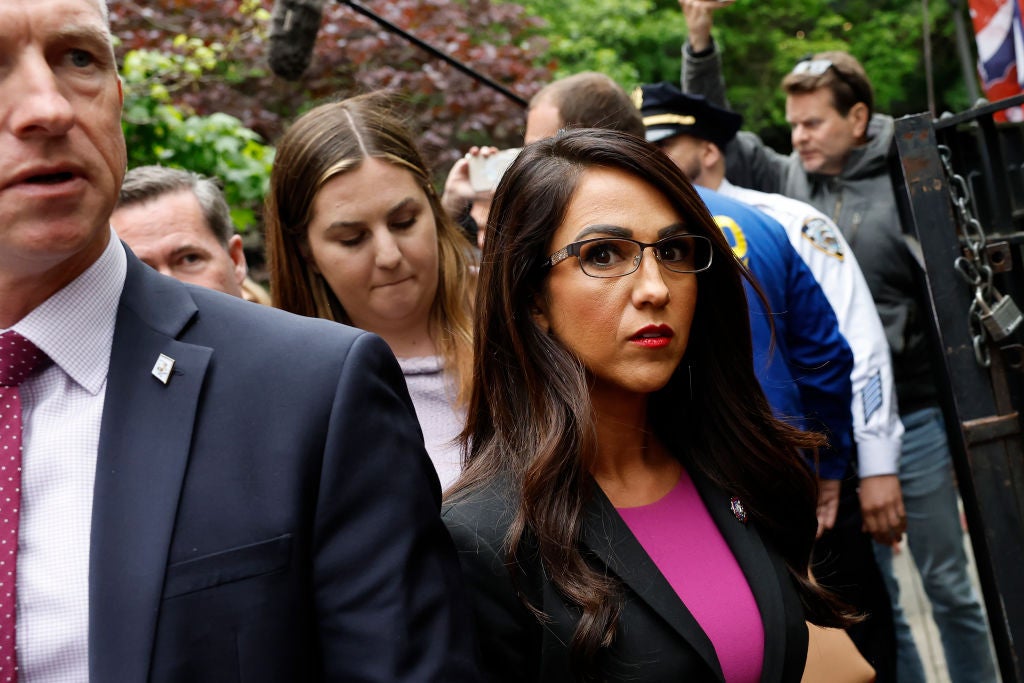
(698, 15)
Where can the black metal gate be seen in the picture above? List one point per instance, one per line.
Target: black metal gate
(959, 182)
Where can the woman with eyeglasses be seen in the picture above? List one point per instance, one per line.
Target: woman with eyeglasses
(630, 509)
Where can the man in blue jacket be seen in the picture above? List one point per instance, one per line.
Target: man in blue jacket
(802, 369)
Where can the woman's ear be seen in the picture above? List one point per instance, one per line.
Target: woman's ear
(307, 256)
(538, 311)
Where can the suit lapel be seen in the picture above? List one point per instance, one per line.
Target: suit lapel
(758, 568)
(143, 452)
(610, 539)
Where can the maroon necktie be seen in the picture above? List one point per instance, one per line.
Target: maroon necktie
(18, 358)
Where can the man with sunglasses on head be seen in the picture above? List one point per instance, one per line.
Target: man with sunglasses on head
(839, 165)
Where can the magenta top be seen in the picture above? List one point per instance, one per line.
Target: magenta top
(679, 535)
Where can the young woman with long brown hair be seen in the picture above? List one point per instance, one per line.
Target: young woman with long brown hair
(356, 234)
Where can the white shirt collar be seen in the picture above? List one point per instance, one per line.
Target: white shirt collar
(75, 326)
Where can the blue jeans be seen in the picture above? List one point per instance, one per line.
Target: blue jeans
(908, 662)
(935, 537)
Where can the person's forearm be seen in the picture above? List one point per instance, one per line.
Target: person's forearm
(702, 75)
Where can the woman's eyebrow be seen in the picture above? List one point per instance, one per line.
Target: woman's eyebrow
(617, 231)
(671, 230)
(401, 205)
(608, 230)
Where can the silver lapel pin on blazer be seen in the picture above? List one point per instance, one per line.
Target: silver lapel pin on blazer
(163, 367)
(738, 511)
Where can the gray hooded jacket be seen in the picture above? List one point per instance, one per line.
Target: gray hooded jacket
(862, 203)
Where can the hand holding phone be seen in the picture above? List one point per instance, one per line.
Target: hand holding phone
(486, 171)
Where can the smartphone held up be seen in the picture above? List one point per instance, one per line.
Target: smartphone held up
(486, 171)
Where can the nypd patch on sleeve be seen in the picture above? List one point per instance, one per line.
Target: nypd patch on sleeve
(823, 236)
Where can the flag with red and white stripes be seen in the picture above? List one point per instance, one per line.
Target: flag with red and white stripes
(999, 32)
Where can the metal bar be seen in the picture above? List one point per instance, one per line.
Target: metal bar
(929, 71)
(993, 428)
(469, 71)
(963, 48)
(986, 448)
(996, 175)
(1013, 238)
(978, 112)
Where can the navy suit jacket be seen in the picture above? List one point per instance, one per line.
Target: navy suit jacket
(657, 640)
(268, 514)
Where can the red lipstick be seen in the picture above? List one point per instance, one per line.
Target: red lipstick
(653, 336)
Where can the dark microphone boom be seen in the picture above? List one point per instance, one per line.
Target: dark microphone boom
(293, 28)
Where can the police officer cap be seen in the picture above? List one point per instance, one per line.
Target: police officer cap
(667, 112)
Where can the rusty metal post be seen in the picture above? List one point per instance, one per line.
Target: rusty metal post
(984, 429)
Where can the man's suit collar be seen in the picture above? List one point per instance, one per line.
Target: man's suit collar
(160, 302)
(143, 454)
(75, 326)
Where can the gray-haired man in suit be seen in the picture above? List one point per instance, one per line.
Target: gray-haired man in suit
(209, 490)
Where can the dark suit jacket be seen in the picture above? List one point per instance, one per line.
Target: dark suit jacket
(657, 639)
(270, 513)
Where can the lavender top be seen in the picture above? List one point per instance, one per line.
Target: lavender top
(434, 399)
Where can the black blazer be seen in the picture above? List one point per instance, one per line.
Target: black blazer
(657, 638)
(268, 514)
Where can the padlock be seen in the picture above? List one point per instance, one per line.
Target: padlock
(1002, 318)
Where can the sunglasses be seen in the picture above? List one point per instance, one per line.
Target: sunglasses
(817, 67)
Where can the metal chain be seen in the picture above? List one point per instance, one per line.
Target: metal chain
(974, 266)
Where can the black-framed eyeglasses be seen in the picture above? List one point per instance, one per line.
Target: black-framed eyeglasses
(816, 67)
(618, 256)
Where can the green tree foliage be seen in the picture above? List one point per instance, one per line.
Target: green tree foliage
(761, 42)
(630, 40)
(200, 95)
(217, 145)
(638, 41)
(352, 55)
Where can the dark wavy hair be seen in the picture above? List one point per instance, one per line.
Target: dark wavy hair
(530, 419)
